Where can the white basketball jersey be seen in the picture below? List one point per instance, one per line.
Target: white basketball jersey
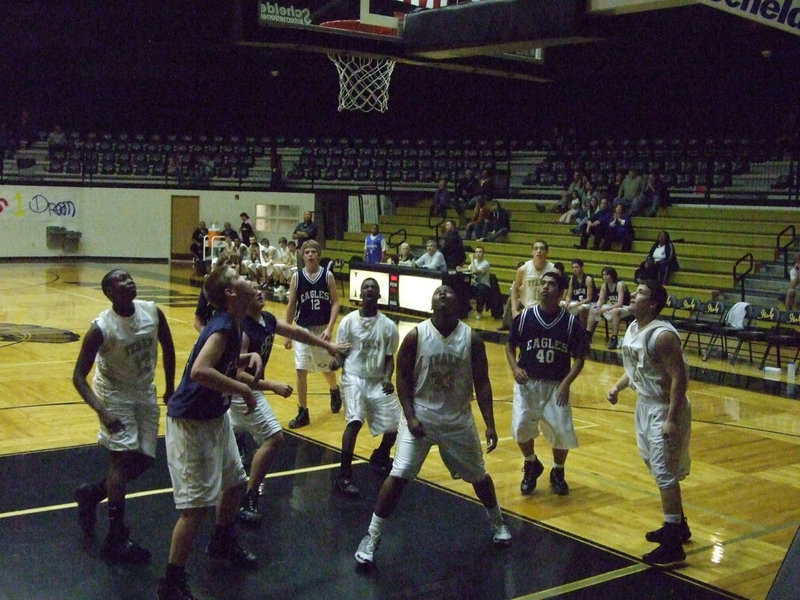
(442, 372)
(531, 290)
(127, 357)
(642, 366)
(372, 339)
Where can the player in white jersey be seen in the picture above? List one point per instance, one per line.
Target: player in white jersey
(123, 340)
(439, 363)
(366, 383)
(527, 285)
(655, 368)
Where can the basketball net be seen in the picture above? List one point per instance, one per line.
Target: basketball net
(363, 82)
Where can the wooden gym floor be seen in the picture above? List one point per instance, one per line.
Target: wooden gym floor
(741, 498)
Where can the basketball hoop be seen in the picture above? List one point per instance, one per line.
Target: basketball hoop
(363, 81)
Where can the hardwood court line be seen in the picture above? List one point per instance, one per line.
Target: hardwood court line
(585, 583)
(142, 494)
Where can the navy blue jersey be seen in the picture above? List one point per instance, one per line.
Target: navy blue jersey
(547, 343)
(613, 295)
(260, 337)
(195, 401)
(579, 291)
(313, 299)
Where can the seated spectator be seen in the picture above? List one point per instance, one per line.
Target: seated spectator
(631, 188)
(56, 141)
(619, 229)
(585, 215)
(432, 259)
(661, 261)
(613, 190)
(581, 292)
(477, 226)
(229, 231)
(654, 196)
(452, 246)
(442, 201)
(596, 226)
(575, 207)
(486, 186)
(467, 191)
(481, 284)
(285, 264)
(251, 263)
(404, 257)
(566, 195)
(374, 246)
(198, 238)
(612, 305)
(498, 223)
(794, 280)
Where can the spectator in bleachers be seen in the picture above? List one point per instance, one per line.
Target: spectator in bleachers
(596, 226)
(276, 169)
(24, 129)
(246, 229)
(612, 305)
(581, 292)
(56, 141)
(619, 230)
(654, 196)
(481, 272)
(614, 186)
(498, 223)
(442, 201)
(374, 246)
(305, 230)
(432, 259)
(452, 246)
(575, 207)
(486, 186)
(566, 196)
(794, 280)
(477, 226)
(467, 191)
(404, 256)
(631, 188)
(661, 261)
(586, 215)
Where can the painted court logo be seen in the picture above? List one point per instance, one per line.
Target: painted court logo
(12, 333)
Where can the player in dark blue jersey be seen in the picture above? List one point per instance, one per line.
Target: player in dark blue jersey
(258, 333)
(314, 306)
(204, 462)
(552, 349)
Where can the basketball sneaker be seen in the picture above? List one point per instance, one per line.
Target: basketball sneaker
(558, 484)
(86, 497)
(174, 589)
(612, 344)
(301, 420)
(657, 536)
(501, 536)
(380, 462)
(365, 555)
(665, 555)
(336, 400)
(249, 512)
(119, 548)
(225, 546)
(531, 472)
(346, 487)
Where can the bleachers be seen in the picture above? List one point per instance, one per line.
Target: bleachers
(708, 242)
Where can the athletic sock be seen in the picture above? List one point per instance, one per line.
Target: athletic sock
(376, 526)
(673, 518)
(531, 457)
(495, 515)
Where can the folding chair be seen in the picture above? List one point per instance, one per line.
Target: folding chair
(758, 321)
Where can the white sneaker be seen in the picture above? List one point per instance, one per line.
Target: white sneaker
(365, 555)
(501, 536)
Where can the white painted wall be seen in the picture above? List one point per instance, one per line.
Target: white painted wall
(115, 222)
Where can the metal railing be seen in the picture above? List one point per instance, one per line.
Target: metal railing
(782, 248)
(739, 278)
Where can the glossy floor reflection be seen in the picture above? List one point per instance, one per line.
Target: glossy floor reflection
(437, 544)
